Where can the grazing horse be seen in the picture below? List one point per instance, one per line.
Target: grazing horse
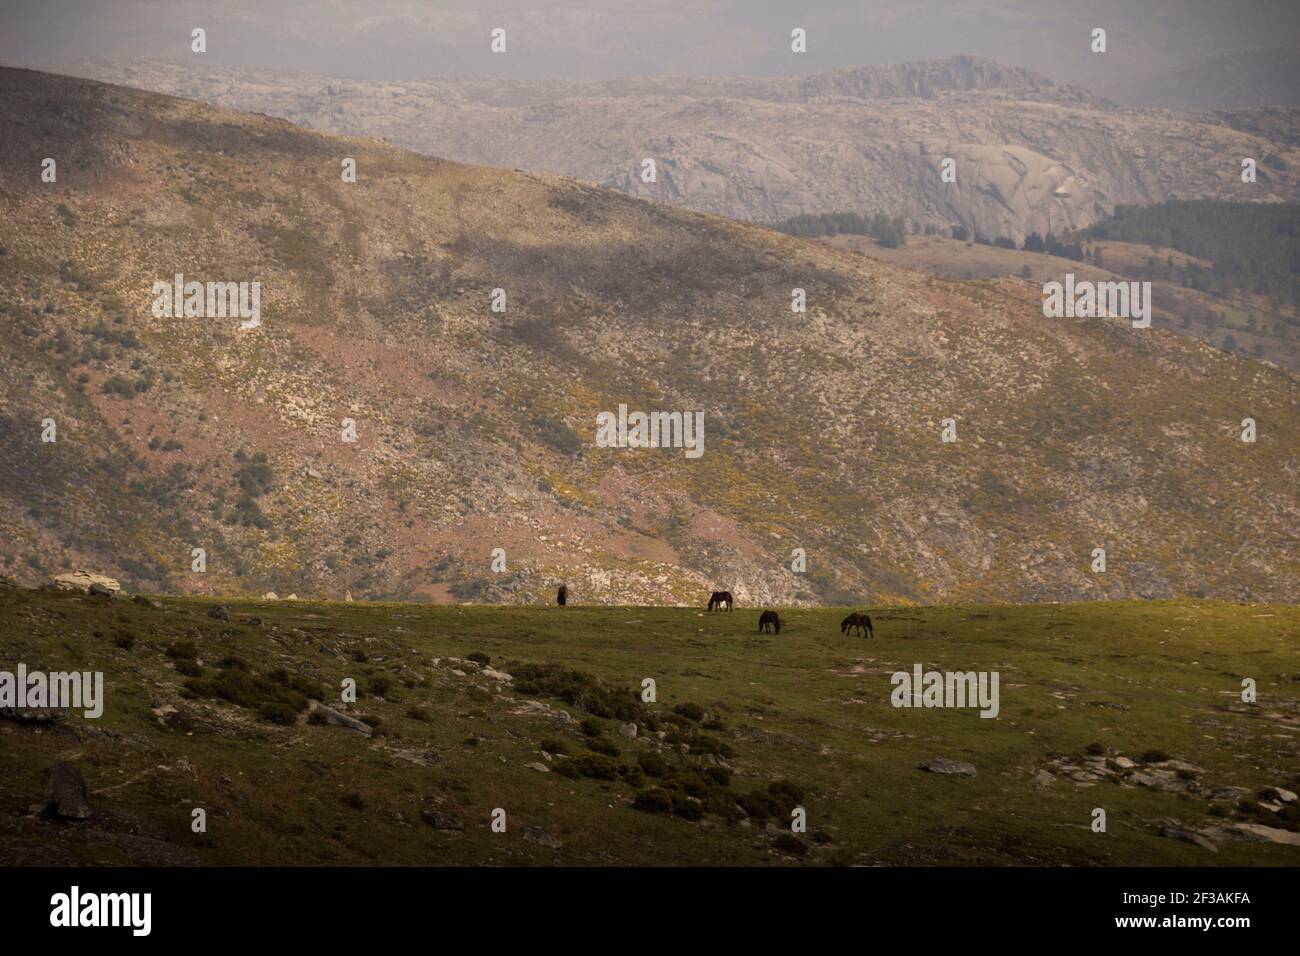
(767, 621)
(719, 598)
(860, 621)
(562, 595)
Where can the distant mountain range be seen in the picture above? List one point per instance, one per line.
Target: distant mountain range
(1029, 155)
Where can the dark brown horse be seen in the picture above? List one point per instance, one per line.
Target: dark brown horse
(562, 595)
(769, 622)
(860, 621)
(719, 598)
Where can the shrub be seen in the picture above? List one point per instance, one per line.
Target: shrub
(654, 800)
(417, 713)
(581, 690)
(183, 650)
(686, 807)
(243, 688)
(789, 843)
(786, 794)
(596, 765)
(652, 764)
(602, 745)
(1154, 756)
(719, 776)
(759, 805)
(278, 712)
(478, 657)
(692, 712)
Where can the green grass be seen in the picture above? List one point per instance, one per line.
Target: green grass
(810, 707)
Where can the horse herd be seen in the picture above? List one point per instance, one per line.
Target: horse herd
(769, 622)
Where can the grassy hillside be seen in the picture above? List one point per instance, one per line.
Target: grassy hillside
(476, 429)
(767, 722)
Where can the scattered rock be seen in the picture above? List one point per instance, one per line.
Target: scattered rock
(34, 715)
(100, 589)
(538, 766)
(1043, 779)
(220, 612)
(253, 621)
(1177, 766)
(1277, 793)
(1231, 794)
(1122, 763)
(946, 766)
(628, 730)
(497, 675)
(270, 596)
(68, 793)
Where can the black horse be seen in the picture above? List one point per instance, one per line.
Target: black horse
(718, 598)
(860, 621)
(562, 595)
(769, 622)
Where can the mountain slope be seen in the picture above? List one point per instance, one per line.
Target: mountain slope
(476, 430)
(1031, 155)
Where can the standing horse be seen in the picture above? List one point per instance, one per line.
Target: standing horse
(719, 598)
(767, 621)
(562, 595)
(860, 621)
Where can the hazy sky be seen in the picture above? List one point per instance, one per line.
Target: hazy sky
(404, 39)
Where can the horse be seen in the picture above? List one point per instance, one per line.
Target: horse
(719, 598)
(562, 595)
(861, 621)
(767, 621)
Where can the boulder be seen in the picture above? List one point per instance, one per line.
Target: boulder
(1268, 834)
(946, 766)
(538, 835)
(628, 730)
(442, 821)
(1188, 836)
(67, 796)
(336, 719)
(83, 580)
